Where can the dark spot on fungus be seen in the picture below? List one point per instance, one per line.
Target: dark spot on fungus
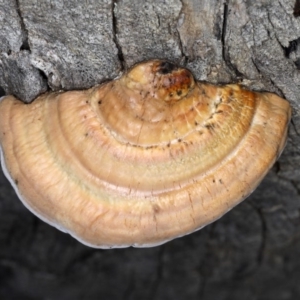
(179, 140)
(16, 181)
(196, 123)
(220, 180)
(230, 97)
(151, 147)
(179, 92)
(209, 126)
(99, 102)
(166, 67)
(203, 92)
(156, 208)
(86, 134)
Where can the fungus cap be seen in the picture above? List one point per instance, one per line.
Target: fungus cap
(142, 159)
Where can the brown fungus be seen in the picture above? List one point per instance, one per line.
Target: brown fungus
(161, 157)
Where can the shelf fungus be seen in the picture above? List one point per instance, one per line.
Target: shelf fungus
(143, 159)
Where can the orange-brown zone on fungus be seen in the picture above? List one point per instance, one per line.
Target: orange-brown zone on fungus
(174, 83)
(124, 163)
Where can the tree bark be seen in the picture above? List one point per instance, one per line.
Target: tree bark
(250, 253)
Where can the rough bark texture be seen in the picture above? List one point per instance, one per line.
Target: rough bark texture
(253, 251)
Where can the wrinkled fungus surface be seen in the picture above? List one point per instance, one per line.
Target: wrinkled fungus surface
(142, 159)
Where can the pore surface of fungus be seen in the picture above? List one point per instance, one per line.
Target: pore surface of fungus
(141, 159)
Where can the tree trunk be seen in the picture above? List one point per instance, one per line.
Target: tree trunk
(250, 253)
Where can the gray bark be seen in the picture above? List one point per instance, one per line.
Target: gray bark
(250, 253)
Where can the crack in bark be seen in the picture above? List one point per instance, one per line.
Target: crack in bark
(225, 53)
(295, 186)
(279, 90)
(295, 128)
(115, 38)
(184, 58)
(262, 247)
(268, 78)
(255, 66)
(297, 9)
(2, 92)
(25, 44)
(277, 167)
(292, 44)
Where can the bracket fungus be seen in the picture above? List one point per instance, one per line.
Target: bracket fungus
(142, 159)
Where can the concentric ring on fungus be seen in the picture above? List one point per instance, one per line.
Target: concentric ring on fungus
(142, 159)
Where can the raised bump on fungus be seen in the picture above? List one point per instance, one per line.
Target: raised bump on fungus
(142, 159)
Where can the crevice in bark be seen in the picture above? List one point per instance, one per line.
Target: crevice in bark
(295, 128)
(44, 77)
(25, 44)
(297, 9)
(294, 184)
(261, 250)
(268, 79)
(184, 58)
(292, 47)
(225, 53)
(277, 167)
(278, 90)
(255, 66)
(262, 247)
(115, 38)
(2, 91)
